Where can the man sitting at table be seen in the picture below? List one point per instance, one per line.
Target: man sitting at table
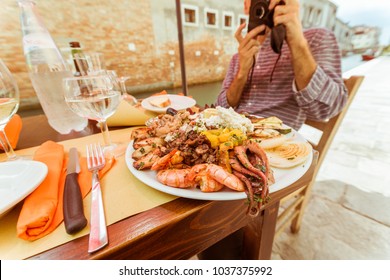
(306, 83)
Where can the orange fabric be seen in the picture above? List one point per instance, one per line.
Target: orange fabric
(12, 130)
(42, 209)
(182, 94)
(160, 93)
(165, 92)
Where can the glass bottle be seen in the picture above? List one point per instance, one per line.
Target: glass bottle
(47, 68)
(79, 59)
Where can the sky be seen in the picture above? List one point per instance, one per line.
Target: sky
(368, 12)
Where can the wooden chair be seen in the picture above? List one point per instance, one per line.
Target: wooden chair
(292, 207)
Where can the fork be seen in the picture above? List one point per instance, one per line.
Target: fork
(98, 233)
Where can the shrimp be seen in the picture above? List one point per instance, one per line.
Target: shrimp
(147, 161)
(153, 141)
(218, 174)
(140, 133)
(141, 152)
(177, 178)
(205, 182)
(170, 159)
(208, 184)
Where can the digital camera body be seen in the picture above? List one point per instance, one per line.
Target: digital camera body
(260, 14)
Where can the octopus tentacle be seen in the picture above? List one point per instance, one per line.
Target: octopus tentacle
(236, 165)
(240, 152)
(253, 209)
(255, 148)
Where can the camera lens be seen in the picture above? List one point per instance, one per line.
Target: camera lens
(260, 12)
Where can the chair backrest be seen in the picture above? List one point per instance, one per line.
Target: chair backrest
(292, 206)
(330, 127)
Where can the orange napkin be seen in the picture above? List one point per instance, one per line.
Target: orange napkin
(12, 130)
(42, 209)
(165, 92)
(160, 93)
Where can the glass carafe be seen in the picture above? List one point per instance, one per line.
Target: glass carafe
(47, 69)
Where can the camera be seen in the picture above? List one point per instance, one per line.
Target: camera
(259, 14)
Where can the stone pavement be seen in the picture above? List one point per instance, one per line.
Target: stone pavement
(348, 216)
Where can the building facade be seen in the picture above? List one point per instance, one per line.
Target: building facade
(323, 13)
(344, 34)
(319, 13)
(365, 38)
(139, 39)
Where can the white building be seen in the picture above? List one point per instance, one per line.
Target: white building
(344, 34)
(221, 18)
(322, 13)
(318, 13)
(365, 37)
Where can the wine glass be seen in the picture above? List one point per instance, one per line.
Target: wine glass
(9, 104)
(90, 63)
(96, 98)
(122, 81)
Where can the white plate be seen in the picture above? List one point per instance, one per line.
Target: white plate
(178, 102)
(283, 178)
(17, 180)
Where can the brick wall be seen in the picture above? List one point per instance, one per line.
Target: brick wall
(109, 27)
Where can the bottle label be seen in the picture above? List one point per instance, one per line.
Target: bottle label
(35, 41)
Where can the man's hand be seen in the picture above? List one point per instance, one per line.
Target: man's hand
(303, 62)
(248, 47)
(288, 15)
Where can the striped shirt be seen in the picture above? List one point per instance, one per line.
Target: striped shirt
(323, 98)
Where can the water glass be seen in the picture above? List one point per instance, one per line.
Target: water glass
(122, 81)
(93, 97)
(9, 104)
(90, 63)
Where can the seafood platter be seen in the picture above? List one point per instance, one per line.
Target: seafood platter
(218, 154)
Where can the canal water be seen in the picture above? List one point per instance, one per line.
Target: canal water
(352, 61)
(207, 93)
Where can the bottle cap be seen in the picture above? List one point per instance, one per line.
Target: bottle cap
(74, 44)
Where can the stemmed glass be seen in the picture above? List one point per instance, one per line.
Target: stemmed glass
(96, 98)
(122, 81)
(90, 63)
(9, 104)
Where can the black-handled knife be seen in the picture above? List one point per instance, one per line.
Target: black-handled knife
(74, 217)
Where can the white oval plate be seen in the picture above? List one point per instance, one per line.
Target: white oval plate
(283, 178)
(178, 102)
(17, 180)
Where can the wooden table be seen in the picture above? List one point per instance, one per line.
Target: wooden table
(176, 230)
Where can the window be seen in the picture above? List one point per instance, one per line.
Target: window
(228, 19)
(242, 19)
(210, 18)
(190, 15)
(318, 18)
(311, 16)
